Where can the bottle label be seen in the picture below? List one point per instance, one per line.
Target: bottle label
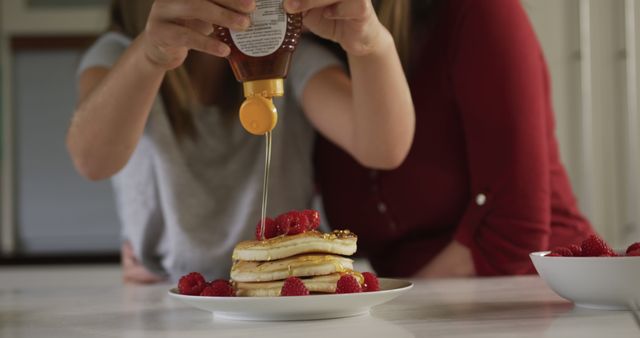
(267, 30)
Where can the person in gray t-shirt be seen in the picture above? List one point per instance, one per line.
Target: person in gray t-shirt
(162, 125)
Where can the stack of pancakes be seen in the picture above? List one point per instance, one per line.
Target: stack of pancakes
(260, 267)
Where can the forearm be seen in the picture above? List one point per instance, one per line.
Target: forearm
(110, 117)
(454, 260)
(384, 118)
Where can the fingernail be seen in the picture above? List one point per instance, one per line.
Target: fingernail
(293, 5)
(224, 50)
(243, 22)
(248, 3)
(329, 12)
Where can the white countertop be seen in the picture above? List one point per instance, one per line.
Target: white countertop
(91, 302)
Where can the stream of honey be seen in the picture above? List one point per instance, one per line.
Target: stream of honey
(265, 184)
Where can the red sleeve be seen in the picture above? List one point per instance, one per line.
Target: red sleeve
(501, 91)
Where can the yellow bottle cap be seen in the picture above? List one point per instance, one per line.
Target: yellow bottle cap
(258, 115)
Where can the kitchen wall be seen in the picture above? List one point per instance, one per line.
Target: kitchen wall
(588, 45)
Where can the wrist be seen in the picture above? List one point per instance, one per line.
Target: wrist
(384, 41)
(150, 56)
(380, 42)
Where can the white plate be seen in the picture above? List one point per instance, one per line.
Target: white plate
(297, 308)
(607, 283)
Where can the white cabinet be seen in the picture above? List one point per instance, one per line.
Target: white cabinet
(57, 211)
(46, 207)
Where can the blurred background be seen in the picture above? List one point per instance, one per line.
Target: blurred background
(49, 213)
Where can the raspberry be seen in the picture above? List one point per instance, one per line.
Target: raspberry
(370, 282)
(299, 224)
(292, 223)
(553, 254)
(191, 284)
(633, 247)
(314, 219)
(218, 288)
(576, 250)
(594, 246)
(562, 251)
(282, 224)
(270, 229)
(634, 253)
(293, 286)
(348, 284)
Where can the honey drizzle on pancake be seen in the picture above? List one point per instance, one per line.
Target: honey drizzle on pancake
(338, 234)
(298, 263)
(334, 235)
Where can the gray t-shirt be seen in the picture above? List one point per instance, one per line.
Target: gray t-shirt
(184, 205)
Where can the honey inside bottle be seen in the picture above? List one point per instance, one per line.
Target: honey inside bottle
(260, 59)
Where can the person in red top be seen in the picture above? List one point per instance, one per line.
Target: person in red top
(483, 184)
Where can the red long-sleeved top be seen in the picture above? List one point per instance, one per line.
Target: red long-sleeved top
(484, 167)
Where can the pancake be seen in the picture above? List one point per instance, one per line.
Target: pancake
(317, 284)
(299, 266)
(339, 242)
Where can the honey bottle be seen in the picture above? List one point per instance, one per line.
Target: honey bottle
(260, 58)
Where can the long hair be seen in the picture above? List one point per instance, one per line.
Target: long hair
(396, 16)
(129, 17)
(401, 17)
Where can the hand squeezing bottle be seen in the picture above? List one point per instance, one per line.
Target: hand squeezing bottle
(260, 58)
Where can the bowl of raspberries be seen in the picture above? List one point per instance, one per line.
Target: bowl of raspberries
(591, 274)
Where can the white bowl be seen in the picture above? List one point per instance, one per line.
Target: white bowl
(609, 283)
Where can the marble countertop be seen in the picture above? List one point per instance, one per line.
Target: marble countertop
(91, 301)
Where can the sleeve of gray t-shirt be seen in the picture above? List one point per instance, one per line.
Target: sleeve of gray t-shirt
(105, 52)
(310, 58)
